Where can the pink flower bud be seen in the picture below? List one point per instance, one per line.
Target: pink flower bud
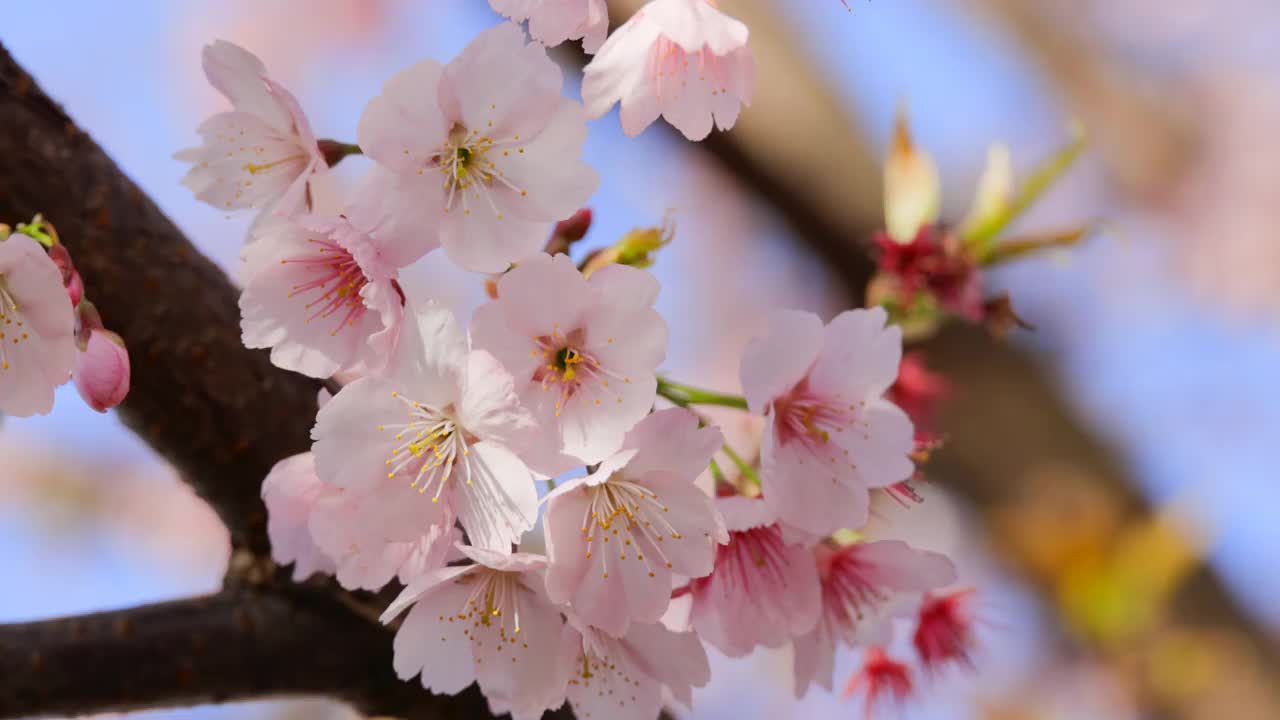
(61, 257)
(573, 228)
(102, 371)
(75, 288)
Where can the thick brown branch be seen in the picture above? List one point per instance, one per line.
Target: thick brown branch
(240, 644)
(220, 413)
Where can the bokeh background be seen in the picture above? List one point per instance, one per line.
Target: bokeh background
(1111, 487)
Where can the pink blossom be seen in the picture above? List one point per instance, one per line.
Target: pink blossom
(622, 677)
(321, 295)
(615, 537)
(365, 558)
(584, 352)
(864, 585)
(291, 491)
(434, 437)
(882, 677)
(918, 391)
(102, 371)
(763, 591)
(480, 155)
(944, 629)
(552, 22)
(37, 328)
(489, 622)
(260, 153)
(830, 434)
(681, 59)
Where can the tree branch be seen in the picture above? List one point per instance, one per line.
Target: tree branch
(240, 644)
(221, 414)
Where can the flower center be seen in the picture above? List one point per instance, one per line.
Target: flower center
(11, 324)
(334, 288)
(598, 672)
(670, 70)
(570, 367)
(255, 168)
(847, 595)
(492, 607)
(816, 423)
(633, 517)
(760, 548)
(431, 444)
(470, 172)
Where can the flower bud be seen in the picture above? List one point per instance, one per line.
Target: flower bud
(912, 190)
(75, 288)
(569, 231)
(575, 227)
(102, 370)
(70, 277)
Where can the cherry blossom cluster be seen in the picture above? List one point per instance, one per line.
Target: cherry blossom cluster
(427, 463)
(49, 331)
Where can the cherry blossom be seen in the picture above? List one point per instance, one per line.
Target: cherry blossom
(487, 622)
(101, 373)
(764, 590)
(615, 537)
(681, 59)
(830, 434)
(944, 629)
(37, 328)
(583, 351)
(434, 437)
(290, 492)
(864, 586)
(552, 22)
(480, 155)
(882, 677)
(366, 560)
(918, 391)
(321, 295)
(622, 677)
(260, 153)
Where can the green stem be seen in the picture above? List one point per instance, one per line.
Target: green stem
(743, 466)
(686, 395)
(551, 484)
(717, 473)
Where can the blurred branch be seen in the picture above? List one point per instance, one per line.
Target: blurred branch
(1144, 135)
(221, 414)
(237, 645)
